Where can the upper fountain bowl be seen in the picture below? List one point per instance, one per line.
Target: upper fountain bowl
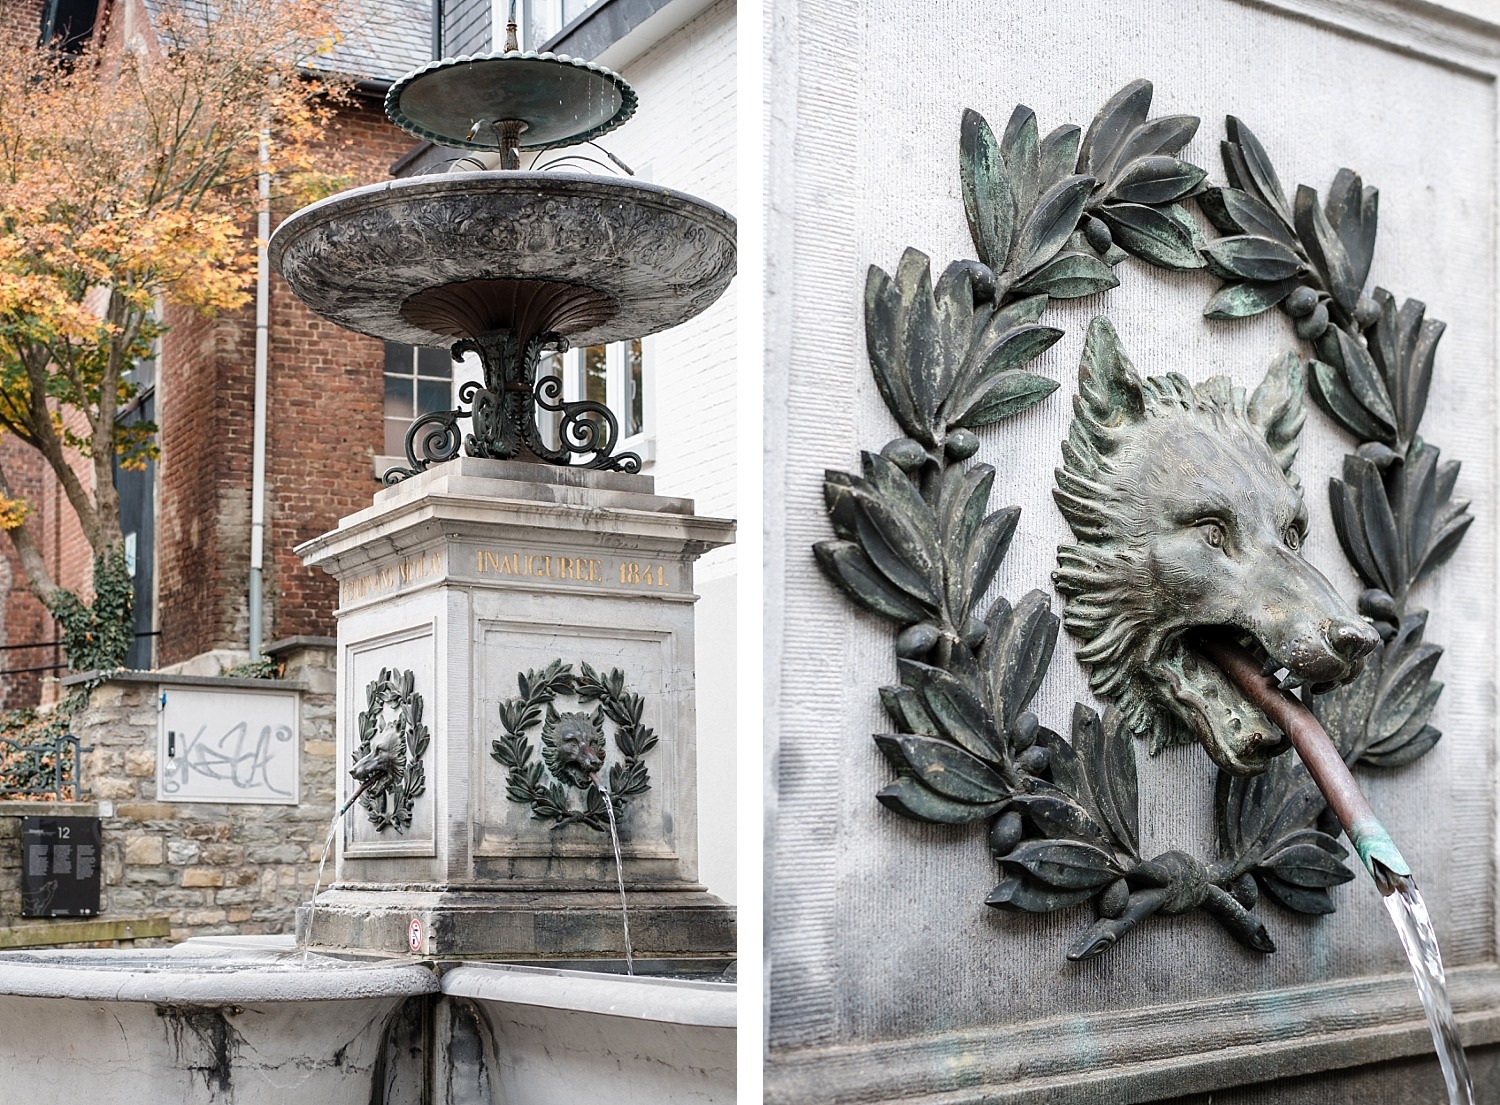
(561, 100)
(427, 260)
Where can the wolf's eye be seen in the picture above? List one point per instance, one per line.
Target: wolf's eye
(1293, 538)
(1213, 533)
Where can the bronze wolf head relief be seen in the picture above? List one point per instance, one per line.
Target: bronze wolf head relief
(1189, 522)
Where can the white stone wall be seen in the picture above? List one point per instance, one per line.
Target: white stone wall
(878, 931)
(683, 137)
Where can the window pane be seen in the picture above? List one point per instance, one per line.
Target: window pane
(398, 397)
(435, 363)
(433, 395)
(395, 436)
(549, 364)
(595, 380)
(398, 358)
(539, 24)
(636, 382)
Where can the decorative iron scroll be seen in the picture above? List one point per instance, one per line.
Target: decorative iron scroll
(392, 741)
(502, 413)
(573, 745)
(915, 541)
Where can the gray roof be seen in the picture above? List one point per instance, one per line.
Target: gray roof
(386, 39)
(389, 38)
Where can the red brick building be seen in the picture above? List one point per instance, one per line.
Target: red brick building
(188, 518)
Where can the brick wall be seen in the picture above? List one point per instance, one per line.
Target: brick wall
(205, 869)
(323, 430)
(204, 396)
(326, 404)
(20, 21)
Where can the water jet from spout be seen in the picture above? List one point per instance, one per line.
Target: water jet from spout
(1377, 851)
(333, 826)
(614, 836)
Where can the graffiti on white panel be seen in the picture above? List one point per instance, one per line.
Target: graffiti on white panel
(227, 747)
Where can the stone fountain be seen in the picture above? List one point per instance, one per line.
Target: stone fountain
(515, 650)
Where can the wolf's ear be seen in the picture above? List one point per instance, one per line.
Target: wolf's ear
(1276, 408)
(1109, 391)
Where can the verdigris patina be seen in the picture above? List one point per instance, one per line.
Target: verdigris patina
(915, 541)
(573, 746)
(392, 741)
(1189, 521)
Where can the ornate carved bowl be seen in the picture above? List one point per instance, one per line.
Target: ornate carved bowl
(426, 259)
(561, 100)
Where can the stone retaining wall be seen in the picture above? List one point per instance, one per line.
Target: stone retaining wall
(175, 870)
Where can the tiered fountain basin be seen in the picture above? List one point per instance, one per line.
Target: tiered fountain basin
(427, 260)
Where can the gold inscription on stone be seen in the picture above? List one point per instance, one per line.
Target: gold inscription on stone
(634, 574)
(545, 565)
(391, 577)
(579, 569)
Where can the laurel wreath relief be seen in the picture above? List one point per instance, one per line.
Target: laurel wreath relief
(573, 745)
(915, 542)
(393, 736)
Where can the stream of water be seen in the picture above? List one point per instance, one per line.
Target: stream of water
(1414, 926)
(333, 828)
(614, 837)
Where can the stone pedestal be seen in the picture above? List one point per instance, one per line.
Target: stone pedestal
(468, 577)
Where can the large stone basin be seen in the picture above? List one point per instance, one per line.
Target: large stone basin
(560, 1037)
(243, 1021)
(203, 1022)
(636, 257)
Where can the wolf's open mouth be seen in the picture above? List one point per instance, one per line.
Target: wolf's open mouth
(1235, 732)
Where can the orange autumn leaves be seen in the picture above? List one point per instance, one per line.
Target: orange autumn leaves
(129, 177)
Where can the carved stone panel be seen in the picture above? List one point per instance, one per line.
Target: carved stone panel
(391, 708)
(533, 805)
(888, 956)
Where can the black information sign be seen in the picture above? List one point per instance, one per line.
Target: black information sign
(59, 866)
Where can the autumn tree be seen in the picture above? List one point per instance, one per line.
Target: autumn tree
(130, 174)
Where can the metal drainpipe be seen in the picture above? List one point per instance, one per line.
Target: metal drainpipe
(262, 351)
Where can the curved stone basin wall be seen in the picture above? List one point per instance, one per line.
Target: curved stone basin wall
(179, 1026)
(561, 1037)
(243, 1021)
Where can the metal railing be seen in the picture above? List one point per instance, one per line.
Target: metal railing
(32, 768)
(60, 665)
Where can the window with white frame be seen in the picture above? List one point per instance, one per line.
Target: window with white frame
(418, 381)
(617, 375)
(544, 18)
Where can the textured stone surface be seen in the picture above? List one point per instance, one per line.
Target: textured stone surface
(202, 868)
(1415, 1079)
(879, 937)
(355, 258)
(468, 576)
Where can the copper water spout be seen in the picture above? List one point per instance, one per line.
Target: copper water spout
(1376, 849)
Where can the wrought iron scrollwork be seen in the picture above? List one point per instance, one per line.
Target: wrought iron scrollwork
(915, 542)
(586, 428)
(502, 414)
(436, 435)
